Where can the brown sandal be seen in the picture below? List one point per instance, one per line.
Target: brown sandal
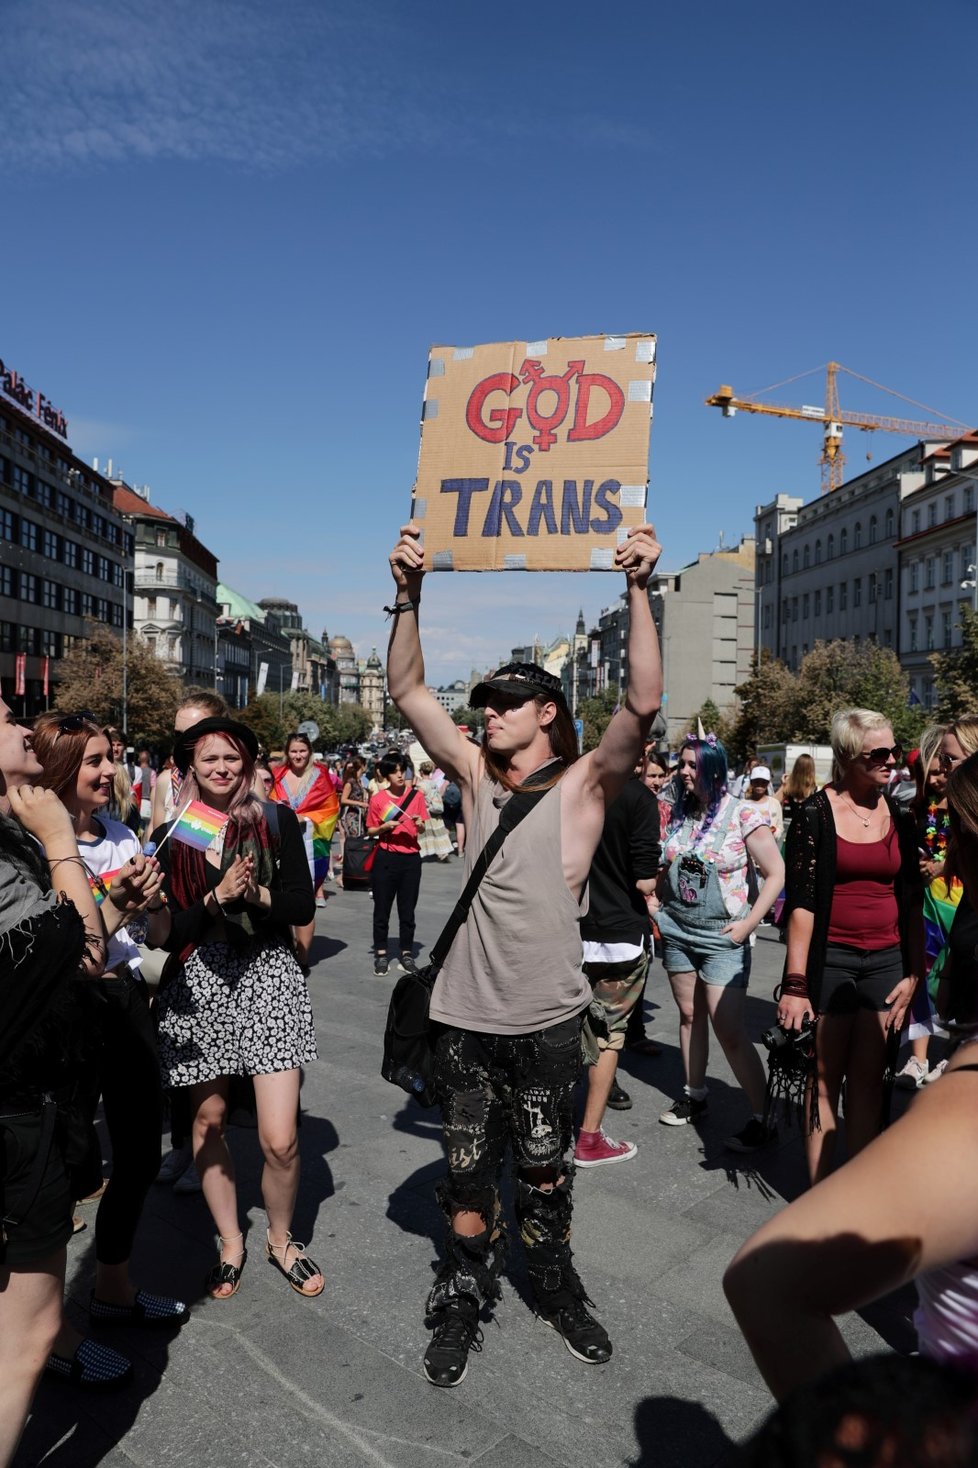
(225, 1273)
(301, 1268)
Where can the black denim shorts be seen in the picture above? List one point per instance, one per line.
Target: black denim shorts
(43, 1217)
(858, 978)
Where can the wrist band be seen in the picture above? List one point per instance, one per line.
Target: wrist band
(792, 986)
(403, 606)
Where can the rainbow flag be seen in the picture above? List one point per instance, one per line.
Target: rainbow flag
(392, 813)
(100, 884)
(319, 804)
(198, 824)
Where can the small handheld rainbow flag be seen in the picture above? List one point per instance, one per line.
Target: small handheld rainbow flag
(392, 813)
(198, 824)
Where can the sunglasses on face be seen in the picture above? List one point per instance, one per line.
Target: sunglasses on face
(882, 755)
(948, 761)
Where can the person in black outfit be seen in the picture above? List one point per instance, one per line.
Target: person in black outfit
(615, 933)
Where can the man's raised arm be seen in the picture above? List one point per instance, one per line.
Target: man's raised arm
(433, 725)
(624, 739)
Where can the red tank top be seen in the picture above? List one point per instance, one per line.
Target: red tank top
(864, 906)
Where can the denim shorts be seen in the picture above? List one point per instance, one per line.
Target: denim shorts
(705, 951)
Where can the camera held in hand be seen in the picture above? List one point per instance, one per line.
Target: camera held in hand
(777, 1039)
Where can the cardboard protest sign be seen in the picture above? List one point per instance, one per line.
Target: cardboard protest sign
(534, 455)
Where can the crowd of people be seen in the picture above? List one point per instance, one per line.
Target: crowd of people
(579, 868)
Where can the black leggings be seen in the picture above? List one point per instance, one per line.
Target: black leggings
(395, 874)
(129, 1080)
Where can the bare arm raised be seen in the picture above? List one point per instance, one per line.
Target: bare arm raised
(441, 738)
(594, 781)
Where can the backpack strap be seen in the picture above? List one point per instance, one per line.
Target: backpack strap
(514, 811)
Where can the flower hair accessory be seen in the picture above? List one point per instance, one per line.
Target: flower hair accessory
(711, 740)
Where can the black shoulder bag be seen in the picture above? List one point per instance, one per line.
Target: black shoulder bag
(408, 1052)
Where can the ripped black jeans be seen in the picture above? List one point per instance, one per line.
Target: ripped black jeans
(497, 1091)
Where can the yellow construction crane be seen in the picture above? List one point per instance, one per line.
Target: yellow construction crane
(832, 459)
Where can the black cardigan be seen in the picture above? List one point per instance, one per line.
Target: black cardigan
(291, 891)
(810, 865)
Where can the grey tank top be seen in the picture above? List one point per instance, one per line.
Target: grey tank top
(516, 963)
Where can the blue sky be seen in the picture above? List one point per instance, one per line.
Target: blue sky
(233, 230)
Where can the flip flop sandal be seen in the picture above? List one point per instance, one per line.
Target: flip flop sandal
(224, 1273)
(93, 1367)
(301, 1269)
(154, 1311)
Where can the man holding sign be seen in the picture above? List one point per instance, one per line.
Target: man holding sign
(511, 996)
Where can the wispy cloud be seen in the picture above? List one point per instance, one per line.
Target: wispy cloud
(237, 82)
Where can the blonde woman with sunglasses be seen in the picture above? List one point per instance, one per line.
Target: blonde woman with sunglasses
(855, 931)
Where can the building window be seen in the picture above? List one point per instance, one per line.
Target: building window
(931, 514)
(947, 568)
(151, 606)
(929, 574)
(6, 581)
(49, 644)
(87, 604)
(945, 629)
(28, 587)
(872, 529)
(969, 499)
(888, 525)
(98, 526)
(949, 507)
(7, 524)
(888, 584)
(69, 601)
(159, 570)
(929, 632)
(794, 560)
(830, 550)
(857, 535)
(50, 545)
(28, 534)
(805, 558)
(967, 561)
(818, 552)
(829, 599)
(914, 570)
(915, 522)
(118, 578)
(116, 614)
(843, 595)
(87, 561)
(161, 537)
(843, 542)
(69, 553)
(20, 479)
(871, 588)
(818, 603)
(49, 594)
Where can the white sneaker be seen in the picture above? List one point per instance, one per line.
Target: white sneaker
(935, 1074)
(913, 1074)
(188, 1182)
(175, 1164)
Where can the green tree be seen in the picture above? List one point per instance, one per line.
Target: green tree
(596, 713)
(766, 709)
(841, 674)
(470, 717)
(91, 678)
(956, 673)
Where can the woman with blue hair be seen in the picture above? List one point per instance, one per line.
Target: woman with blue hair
(706, 920)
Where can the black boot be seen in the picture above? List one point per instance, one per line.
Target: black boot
(561, 1297)
(468, 1279)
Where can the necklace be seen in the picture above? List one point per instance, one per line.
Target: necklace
(855, 810)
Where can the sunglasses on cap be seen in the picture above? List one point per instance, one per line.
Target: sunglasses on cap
(882, 755)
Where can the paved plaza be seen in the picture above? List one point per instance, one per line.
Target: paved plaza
(267, 1380)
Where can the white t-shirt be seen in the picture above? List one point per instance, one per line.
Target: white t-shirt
(103, 859)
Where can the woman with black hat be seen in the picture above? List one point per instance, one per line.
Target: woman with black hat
(236, 1002)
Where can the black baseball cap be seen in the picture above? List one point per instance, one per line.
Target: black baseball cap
(519, 680)
(183, 749)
